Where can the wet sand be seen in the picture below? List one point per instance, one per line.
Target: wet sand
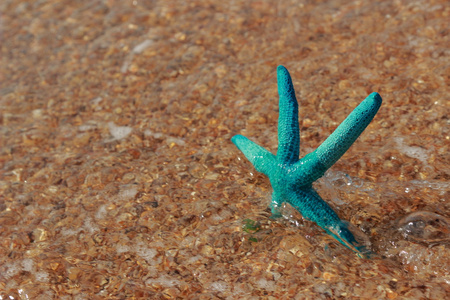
(118, 179)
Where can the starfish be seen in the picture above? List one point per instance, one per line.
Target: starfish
(291, 178)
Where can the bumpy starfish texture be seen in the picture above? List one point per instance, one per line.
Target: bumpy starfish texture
(291, 177)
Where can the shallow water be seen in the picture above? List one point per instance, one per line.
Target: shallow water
(118, 178)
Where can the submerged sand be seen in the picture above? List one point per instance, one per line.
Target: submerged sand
(118, 179)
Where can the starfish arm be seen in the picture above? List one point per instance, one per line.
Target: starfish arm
(275, 205)
(288, 129)
(308, 170)
(312, 207)
(260, 158)
(343, 137)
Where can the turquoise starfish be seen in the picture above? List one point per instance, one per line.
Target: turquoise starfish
(292, 178)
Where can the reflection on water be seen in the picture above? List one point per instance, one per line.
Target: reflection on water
(425, 227)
